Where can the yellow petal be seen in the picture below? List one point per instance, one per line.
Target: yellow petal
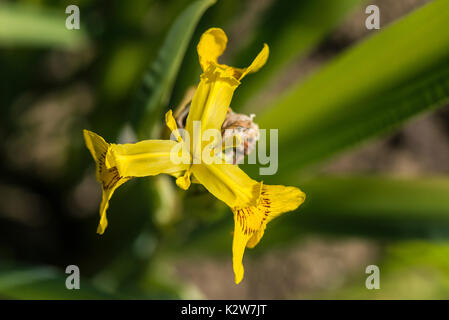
(228, 183)
(105, 197)
(275, 200)
(209, 106)
(246, 222)
(98, 148)
(212, 45)
(144, 158)
(250, 222)
(258, 62)
(109, 178)
(218, 83)
(184, 181)
(279, 199)
(255, 238)
(171, 124)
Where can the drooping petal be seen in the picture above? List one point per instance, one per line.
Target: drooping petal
(109, 178)
(250, 222)
(117, 163)
(275, 200)
(228, 183)
(246, 223)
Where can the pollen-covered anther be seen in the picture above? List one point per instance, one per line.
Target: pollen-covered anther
(243, 126)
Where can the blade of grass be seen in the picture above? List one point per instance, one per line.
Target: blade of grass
(371, 89)
(377, 207)
(158, 82)
(291, 29)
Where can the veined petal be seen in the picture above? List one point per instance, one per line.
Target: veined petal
(228, 183)
(239, 242)
(144, 158)
(275, 200)
(250, 222)
(109, 178)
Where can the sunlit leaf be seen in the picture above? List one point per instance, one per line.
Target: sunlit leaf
(159, 80)
(372, 88)
(378, 207)
(291, 29)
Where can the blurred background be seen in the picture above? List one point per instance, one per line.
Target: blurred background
(378, 196)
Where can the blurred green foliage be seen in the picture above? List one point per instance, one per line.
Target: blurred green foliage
(414, 270)
(133, 62)
(374, 96)
(33, 26)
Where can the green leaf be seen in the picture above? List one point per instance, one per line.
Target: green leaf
(159, 80)
(43, 283)
(30, 26)
(291, 29)
(375, 206)
(370, 89)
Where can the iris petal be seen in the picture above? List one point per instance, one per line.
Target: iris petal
(250, 222)
(109, 178)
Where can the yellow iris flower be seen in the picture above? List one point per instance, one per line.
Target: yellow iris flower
(253, 203)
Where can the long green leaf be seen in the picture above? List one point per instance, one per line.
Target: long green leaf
(378, 207)
(29, 26)
(159, 80)
(43, 283)
(370, 89)
(291, 29)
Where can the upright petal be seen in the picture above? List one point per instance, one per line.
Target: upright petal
(257, 63)
(218, 83)
(212, 45)
(209, 105)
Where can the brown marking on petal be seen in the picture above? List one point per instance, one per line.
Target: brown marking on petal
(114, 179)
(242, 214)
(110, 177)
